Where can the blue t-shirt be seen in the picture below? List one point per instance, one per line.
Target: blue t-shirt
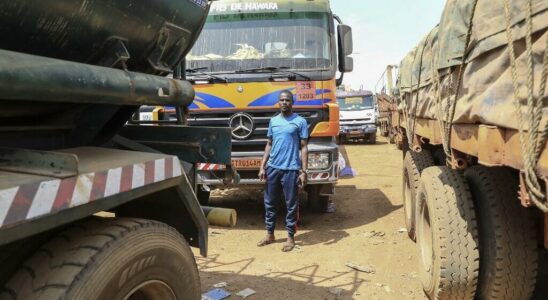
(286, 134)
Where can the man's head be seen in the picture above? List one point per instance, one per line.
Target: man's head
(285, 100)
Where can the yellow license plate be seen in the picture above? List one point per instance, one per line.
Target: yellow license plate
(251, 164)
(355, 132)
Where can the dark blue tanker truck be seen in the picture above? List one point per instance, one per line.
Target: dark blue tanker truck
(93, 205)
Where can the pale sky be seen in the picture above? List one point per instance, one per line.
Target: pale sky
(383, 32)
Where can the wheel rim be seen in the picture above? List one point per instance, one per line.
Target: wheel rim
(151, 290)
(424, 237)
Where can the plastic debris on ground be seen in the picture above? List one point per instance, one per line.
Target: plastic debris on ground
(336, 291)
(221, 284)
(357, 267)
(348, 172)
(216, 294)
(331, 208)
(374, 233)
(246, 293)
(402, 230)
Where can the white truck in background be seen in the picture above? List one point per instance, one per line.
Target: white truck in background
(358, 116)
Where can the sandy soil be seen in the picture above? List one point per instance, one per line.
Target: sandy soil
(365, 230)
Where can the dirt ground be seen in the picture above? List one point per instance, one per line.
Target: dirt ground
(366, 230)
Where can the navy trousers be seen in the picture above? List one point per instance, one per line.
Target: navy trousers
(278, 182)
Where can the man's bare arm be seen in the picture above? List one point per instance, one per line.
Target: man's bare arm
(304, 162)
(264, 162)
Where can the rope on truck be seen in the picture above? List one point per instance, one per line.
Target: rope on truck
(411, 128)
(532, 142)
(450, 113)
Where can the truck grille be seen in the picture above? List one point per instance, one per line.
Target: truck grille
(257, 140)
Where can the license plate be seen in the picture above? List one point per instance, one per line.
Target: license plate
(246, 163)
(355, 132)
(145, 116)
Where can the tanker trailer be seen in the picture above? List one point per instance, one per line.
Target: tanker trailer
(72, 73)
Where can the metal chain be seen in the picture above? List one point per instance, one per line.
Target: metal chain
(530, 148)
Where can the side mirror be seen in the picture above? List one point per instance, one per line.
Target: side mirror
(344, 33)
(348, 65)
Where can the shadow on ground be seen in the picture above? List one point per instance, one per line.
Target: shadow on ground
(274, 284)
(354, 208)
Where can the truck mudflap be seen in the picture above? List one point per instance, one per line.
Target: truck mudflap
(37, 198)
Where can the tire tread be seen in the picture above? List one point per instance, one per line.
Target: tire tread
(66, 257)
(456, 234)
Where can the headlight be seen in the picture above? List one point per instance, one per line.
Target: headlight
(318, 161)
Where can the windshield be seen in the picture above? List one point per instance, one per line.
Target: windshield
(355, 103)
(229, 43)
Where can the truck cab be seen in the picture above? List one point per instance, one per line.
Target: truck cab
(358, 116)
(246, 55)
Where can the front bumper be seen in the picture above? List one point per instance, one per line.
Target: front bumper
(357, 130)
(215, 174)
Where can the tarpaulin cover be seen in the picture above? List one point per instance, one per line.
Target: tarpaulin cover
(486, 95)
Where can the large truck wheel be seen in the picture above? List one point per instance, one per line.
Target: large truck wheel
(391, 137)
(508, 249)
(413, 165)
(203, 195)
(372, 138)
(447, 235)
(109, 259)
(384, 130)
(317, 202)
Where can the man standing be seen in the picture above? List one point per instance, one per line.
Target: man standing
(283, 168)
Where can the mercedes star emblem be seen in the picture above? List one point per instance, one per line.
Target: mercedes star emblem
(241, 125)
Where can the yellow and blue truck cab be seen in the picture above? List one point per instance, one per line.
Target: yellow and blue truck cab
(247, 53)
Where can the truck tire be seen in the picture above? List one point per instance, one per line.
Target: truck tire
(391, 138)
(447, 235)
(372, 138)
(413, 165)
(109, 259)
(508, 248)
(316, 202)
(384, 130)
(202, 195)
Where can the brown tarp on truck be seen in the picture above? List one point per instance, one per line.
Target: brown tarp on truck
(486, 95)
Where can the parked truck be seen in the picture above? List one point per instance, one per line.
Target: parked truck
(248, 53)
(358, 116)
(385, 97)
(472, 120)
(72, 73)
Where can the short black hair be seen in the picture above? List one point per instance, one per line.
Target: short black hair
(287, 93)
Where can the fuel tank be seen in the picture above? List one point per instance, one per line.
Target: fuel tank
(155, 34)
(73, 72)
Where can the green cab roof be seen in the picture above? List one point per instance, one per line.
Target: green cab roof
(223, 7)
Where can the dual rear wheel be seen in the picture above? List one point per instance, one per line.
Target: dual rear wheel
(473, 238)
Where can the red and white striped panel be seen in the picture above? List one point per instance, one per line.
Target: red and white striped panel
(319, 176)
(37, 199)
(209, 167)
